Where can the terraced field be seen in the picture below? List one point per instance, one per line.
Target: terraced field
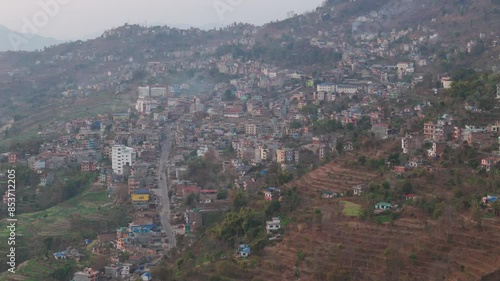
(331, 177)
(340, 247)
(403, 251)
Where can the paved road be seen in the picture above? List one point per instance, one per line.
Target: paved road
(162, 190)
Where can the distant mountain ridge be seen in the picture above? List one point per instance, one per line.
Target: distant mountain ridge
(15, 41)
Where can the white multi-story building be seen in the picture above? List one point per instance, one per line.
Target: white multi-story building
(145, 106)
(346, 89)
(158, 91)
(326, 87)
(143, 92)
(261, 153)
(121, 156)
(274, 225)
(337, 88)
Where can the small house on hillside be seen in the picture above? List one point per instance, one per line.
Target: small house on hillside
(489, 162)
(329, 194)
(489, 199)
(357, 190)
(273, 225)
(146, 276)
(399, 169)
(271, 193)
(244, 251)
(383, 206)
(410, 196)
(60, 255)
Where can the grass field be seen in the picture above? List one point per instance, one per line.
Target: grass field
(35, 270)
(351, 209)
(53, 220)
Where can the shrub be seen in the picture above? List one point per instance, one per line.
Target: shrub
(413, 257)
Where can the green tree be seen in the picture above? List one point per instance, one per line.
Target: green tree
(290, 200)
(229, 96)
(221, 194)
(273, 208)
(496, 207)
(240, 200)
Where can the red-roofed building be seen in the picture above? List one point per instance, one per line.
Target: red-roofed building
(208, 191)
(489, 162)
(411, 196)
(187, 190)
(399, 169)
(233, 112)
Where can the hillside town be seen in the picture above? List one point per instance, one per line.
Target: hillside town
(350, 116)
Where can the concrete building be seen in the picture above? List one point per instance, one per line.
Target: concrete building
(158, 92)
(261, 153)
(273, 225)
(346, 89)
(87, 274)
(144, 92)
(145, 106)
(446, 82)
(438, 131)
(381, 131)
(410, 143)
(120, 157)
(280, 155)
(251, 129)
(337, 88)
(326, 87)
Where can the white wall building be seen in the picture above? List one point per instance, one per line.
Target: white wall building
(143, 92)
(326, 87)
(158, 92)
(337, 88)
(446, 81)
(145, 106)
(121, 156)
(274, 225)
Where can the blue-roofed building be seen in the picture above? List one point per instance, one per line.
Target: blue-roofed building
(61, 255)
(141, 191)
(96, 125)
(489, 199)
(143, 228)
(146, 276)
(244, 251)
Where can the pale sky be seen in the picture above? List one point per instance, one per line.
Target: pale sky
(82, 19)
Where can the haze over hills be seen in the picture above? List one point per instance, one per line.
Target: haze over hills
(15, 41)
